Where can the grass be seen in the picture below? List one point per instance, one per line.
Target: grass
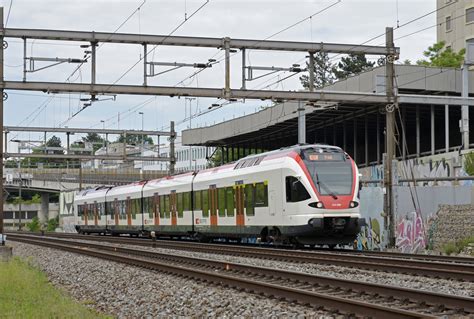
(25, 292)
(457, 246)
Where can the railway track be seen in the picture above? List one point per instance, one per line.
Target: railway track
(458, 269)
(347, 297)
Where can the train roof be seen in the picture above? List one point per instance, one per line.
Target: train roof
(174, 180)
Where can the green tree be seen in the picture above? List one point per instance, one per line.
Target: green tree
(438, 55)
(34, 225)
(135, 139)
(351, 65)
(94, 138)
(323, 73)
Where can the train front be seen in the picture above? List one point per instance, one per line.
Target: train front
(331, 179)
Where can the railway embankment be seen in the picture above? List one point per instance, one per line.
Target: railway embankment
(452, 228)
(129, 281)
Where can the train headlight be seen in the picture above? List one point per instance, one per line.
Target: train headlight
(353, 204)
(316, 204)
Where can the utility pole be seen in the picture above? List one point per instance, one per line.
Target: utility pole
(143, 137)
(464, 123)
(21, 198)
(390, 136)
(190, 99)
(1, 129)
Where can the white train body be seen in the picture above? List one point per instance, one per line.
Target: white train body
(303, 194)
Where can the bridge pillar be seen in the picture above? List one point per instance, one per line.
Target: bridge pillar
(44, 212)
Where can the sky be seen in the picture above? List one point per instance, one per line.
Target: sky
(345, 21)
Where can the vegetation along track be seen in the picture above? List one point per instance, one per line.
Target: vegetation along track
(345, 296)
(448, 269)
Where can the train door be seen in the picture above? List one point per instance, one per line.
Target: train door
(96, 217)
(239, 203)
(156, 208)
(271, 202)
(174, 219)
(128, 208)
(86, 211)
(213, 204)
(116, 212)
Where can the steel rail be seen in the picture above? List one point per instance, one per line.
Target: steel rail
(440, 303)
(436, 269)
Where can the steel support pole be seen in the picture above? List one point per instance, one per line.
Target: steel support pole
(172, 155)
(446, 127)
(67, 143)
(465, 108)
(334, 142)
(19, 191)
(418, 144)
(311, 71)
(227, 67)
(1, 128)
(378, 137)
(432, 128)
(366, 138)
(390, 138)
(24, 59)
(344, 139)
(404, 134)
(244, 65)
(301, 124)
(145, 61)
(80, 175)
(354, 148)
(93, 62)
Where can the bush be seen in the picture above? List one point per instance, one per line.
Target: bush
(34, 225)
(53, 223)
(458, 246)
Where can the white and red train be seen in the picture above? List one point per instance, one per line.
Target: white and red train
(305, 194)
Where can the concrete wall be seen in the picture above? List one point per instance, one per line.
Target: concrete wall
(415, 227)
(32, 210)
(66, 211)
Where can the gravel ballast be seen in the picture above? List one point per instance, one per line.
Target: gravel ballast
(452, 287)
(130, 292)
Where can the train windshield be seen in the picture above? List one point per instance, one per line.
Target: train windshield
(331, 172)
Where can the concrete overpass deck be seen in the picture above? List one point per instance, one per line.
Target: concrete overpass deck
(357, 127)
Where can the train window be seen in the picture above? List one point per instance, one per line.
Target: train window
(197, 200)
(148, 206)
(221, 201)
(179, 204)
(136, 207)
(80, 211)
(261, 195)
(205, 203)
(230, 201)
(109, 208)
(295, 190)
(91, 211)
(162, 206)
(187, 201)
(167, 206)
(156, 202)
(249, 199)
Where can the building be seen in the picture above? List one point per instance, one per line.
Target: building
(187, 158)
(455, 23)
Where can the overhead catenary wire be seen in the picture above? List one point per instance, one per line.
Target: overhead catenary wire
(8, 14)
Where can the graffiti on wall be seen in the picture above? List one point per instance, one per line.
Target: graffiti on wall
(370, 237)
(410, 233)
(440, 165)
(66, 211)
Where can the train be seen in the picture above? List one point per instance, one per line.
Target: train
(300, 195)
